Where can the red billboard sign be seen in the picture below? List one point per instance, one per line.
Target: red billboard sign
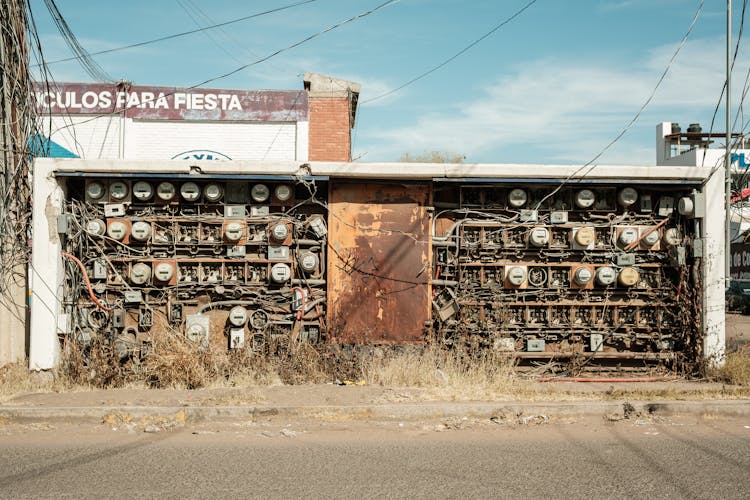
(172, 103)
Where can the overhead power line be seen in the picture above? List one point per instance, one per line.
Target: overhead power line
(185, 33)
(724, 85)
(297, 44)
(454, 56)
(656, 87)
(257, 61)
(91, 67)
(591, 163)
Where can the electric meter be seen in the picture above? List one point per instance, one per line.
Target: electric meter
(280, 232)
(672, 236)
(233, 231)
(164, 271)
(628, 276)
(142, 191)
(627, 236)
(259, 319)
(166, 191)
(516, 275)
(280, 273)
(198, 329)
(517, 198)
(259, 193)
(585, 236)
(651, 238)
(118, 190)
(318, 225)
(605, 276)
(627, 197)
(539, 236)
(537, 277)
(582, 276)
(190, 191)
(96, 227)
(140, 273)
(95, 190)
(308, 261)
(585, 198)
(686, 207)
(283, 192)
(140, 231)
(238, 316)
(117, 230)
(213, 192)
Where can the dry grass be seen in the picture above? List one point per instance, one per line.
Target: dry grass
(15, 378)
(173, 361)
(736, 369)
(446, 374)
(431, 373)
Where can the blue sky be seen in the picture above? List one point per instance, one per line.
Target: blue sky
(555, 85)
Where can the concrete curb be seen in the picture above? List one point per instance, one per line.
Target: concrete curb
(381, 412)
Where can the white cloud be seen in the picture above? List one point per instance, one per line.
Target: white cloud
(567, 108)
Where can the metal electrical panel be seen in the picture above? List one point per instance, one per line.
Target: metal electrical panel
(159, 249)
(596, 268)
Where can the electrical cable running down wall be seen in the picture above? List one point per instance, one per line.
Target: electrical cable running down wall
(17, 127)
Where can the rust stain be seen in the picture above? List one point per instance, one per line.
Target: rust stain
(378, 277)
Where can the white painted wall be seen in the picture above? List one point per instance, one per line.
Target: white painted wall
(89, 137)
(94, 137)
(238, 141)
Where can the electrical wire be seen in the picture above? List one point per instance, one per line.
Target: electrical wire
(724, 86)
(297, 44)
(91, 67)
(257, 61)
(87, 281)
(185, 33)
(590, 164)
(454, 56)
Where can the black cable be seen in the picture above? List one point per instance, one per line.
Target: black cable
(91, 67)
(185, 33)
(454, 56)
(254, 63)
(724, 87)
(627, 127)
(296, 44)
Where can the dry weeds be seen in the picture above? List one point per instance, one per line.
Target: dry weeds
(15, 378)
(425, 373)
(736, 369)
(173, 361)
(446, 374)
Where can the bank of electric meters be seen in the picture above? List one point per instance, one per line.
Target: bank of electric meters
(236, 262)
(549, 270)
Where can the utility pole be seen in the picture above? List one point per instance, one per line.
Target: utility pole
(727, 153)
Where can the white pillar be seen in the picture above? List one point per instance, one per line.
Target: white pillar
(45, 269)
(662, 146)
(714, 321)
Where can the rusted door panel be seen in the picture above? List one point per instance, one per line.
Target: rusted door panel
(378, 273)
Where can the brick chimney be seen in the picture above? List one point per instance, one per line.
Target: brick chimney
(333, 107)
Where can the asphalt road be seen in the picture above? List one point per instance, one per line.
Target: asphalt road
(589, 459)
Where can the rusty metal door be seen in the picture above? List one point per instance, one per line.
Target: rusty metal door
(378, 272)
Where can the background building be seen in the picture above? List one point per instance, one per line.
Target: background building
(135, 122)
